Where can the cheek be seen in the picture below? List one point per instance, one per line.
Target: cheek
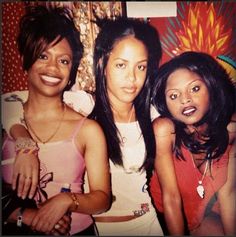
(171, 106)
(141, 80)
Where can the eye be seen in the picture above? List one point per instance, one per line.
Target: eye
(173, 96)
(65, 61)
(43, 56)
(120, 65)
(142, 67)
(195, 89)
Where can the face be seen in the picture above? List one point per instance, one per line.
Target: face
(50, 73)
(126, 70)
(187, 96)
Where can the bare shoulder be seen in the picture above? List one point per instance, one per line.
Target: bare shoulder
(91, 130)
(232, 129)
(163, 126)
(232, 125)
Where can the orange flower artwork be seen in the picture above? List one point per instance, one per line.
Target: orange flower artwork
(206, 27)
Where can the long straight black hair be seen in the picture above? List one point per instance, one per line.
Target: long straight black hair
(221, 107)
(112, 31)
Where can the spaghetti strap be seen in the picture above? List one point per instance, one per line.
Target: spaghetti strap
(77, 127)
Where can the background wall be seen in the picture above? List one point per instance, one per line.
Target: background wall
(201, 26)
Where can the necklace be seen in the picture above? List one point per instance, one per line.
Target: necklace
(123, 138)
(200, 189)
(31, 130)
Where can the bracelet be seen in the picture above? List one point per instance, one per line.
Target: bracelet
(26, 145)
(75, 199)
(19, 219)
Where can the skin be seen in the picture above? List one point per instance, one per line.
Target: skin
(125, 74)
(186, 92)
(47, 78)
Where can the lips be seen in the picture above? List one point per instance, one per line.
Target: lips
(50, 80)
(129, 90)
(188, 111)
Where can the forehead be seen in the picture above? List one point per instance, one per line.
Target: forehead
(128, 45)
(182, 77)
(62, 44)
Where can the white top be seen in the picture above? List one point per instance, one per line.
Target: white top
(130, 196)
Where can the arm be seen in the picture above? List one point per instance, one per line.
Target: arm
(28, 215)
(227, 194)
(91, 143)
(164, 166)
(26, 165)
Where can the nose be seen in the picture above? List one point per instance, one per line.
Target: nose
(185, 98)
(52, 65)
(131, 75)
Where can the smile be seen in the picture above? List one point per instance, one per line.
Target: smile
(51, 80)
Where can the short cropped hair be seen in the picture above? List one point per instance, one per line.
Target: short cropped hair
(39, 27)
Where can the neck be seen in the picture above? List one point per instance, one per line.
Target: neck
(124, 114)
(34, 108)
(200, 130)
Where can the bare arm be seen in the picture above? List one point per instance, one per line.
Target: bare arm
(164, 166)
(227, 194)
(26, 166)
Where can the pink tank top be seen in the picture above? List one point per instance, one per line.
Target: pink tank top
(60, 163)
(195, 208)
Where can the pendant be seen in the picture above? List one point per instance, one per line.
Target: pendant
(200, 189)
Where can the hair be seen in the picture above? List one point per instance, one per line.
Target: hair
(111, 32)
(221, 107)
(40, 27)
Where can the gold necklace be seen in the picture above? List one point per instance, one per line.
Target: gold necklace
(31, 130)
(200, 188)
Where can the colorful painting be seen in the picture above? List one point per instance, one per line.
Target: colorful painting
(201, 26)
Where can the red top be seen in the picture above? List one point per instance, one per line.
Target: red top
(187, 178)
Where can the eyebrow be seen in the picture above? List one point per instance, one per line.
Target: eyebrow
(143, 60)
(198, 79)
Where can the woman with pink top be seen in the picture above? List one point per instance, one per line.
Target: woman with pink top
(67, 143)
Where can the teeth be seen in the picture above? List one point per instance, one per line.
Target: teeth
(189, 111)
(51, 79)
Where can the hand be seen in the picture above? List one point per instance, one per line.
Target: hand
(62, 227)
(50, 212)
(25, 175)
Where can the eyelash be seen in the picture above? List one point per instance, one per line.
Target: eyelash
(63, 61)
(194, 90)
(140, 67)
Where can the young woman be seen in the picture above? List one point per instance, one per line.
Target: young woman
(68, 144)
(126, 58)
(195, 144)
